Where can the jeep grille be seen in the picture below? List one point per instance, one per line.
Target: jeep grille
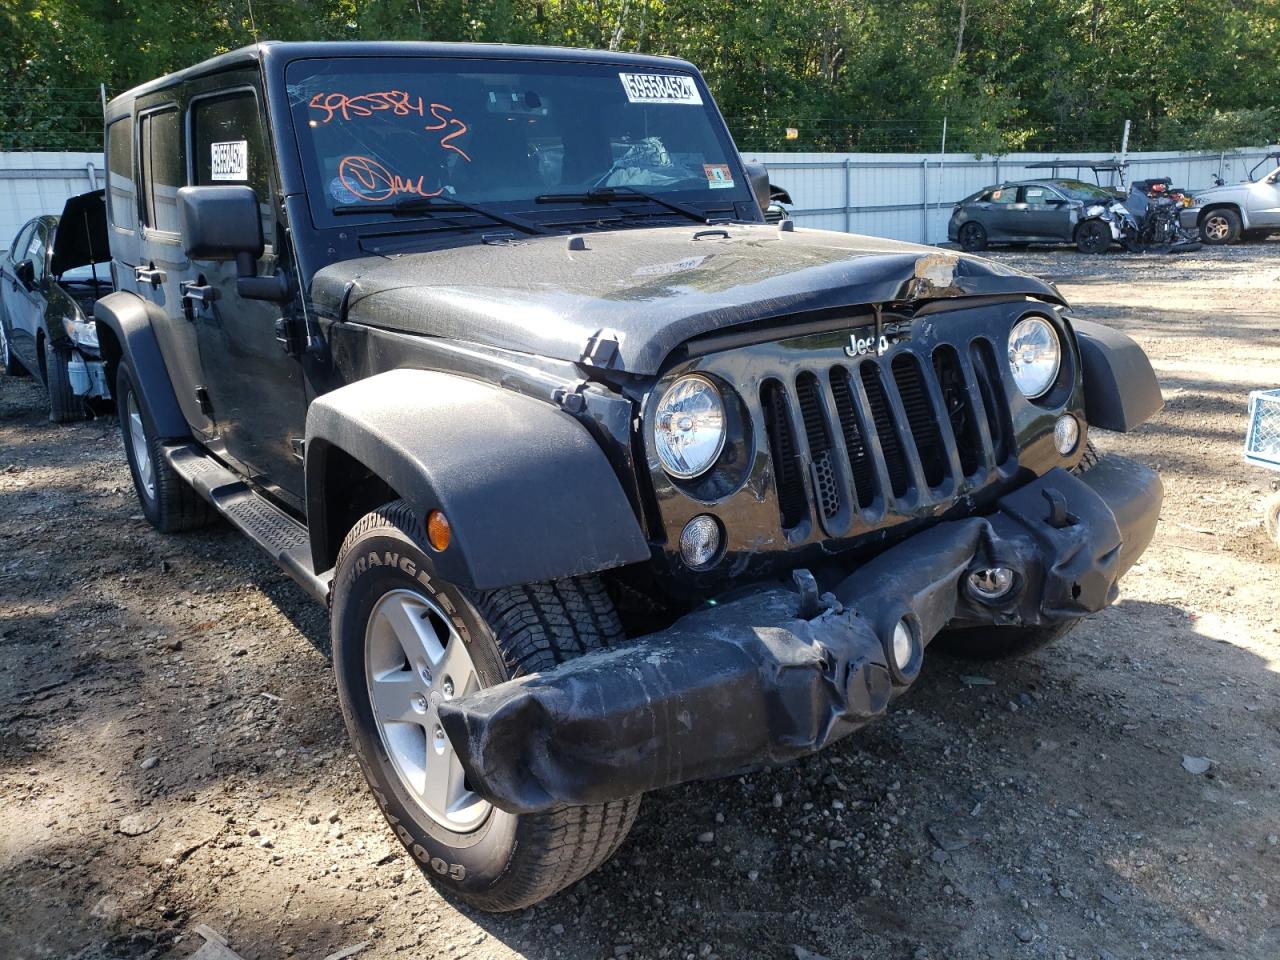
(881, 434)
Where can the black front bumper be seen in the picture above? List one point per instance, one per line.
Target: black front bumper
(774, 676)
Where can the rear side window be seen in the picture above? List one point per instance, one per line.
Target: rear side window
(122, 199)
(227, 142)
(1001, 195)
(162, 169)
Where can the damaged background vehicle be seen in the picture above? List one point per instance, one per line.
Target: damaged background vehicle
(1040, 211)
(609, 484)
(49, 282)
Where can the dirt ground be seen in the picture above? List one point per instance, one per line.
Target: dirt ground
(171, 751)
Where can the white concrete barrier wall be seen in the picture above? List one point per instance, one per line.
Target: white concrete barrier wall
(909, 196)
(32, 184)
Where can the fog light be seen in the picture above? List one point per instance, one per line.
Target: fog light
(991, 583)
(1066, 434)
(903, 645)
(700, 541)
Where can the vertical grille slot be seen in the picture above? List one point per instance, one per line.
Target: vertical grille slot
(991, 387)
(818, 436)
(920, 417)
(864, 473)
(792, 504)
(955, 394)
(894, 460)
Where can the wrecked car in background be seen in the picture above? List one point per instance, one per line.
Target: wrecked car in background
(608, 484)
(1040, 211)
(49, 282)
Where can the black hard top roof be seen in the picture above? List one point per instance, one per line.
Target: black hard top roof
(281, 51)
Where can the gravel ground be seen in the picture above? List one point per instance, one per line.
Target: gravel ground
(172, 752)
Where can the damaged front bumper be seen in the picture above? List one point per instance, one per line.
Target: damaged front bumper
(777, 675)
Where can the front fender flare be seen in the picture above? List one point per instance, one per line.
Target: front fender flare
(1120, 387)
(128, 318)
(529, 495)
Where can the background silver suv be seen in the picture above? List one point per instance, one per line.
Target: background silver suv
(1225, 214)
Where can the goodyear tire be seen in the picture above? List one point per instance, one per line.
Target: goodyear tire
(1220, 226)
(999, 643)
(64, 405)
(167, 501)
(402, 640)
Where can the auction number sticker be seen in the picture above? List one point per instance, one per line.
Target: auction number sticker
(230, 160)
(660, 88)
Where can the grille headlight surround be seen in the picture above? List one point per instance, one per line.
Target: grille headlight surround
(689, 427)
(1035, 356)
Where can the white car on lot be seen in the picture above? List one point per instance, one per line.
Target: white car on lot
(1226, 214)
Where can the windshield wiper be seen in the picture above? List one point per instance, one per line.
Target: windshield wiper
(608, 194)
(411, 206)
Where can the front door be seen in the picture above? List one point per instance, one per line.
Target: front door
(1045, 213)
(255, 388)
(21, 313)
(1264, 201)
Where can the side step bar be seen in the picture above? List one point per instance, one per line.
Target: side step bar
(282, 537)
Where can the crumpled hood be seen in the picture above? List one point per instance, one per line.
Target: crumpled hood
(648, 290)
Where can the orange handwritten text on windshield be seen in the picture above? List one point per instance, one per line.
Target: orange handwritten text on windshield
(370, 180)
(399, 103)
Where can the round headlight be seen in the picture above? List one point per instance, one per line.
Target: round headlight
(688, 427)
(1034, 356)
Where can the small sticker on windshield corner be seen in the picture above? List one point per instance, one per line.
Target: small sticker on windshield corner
(660, 88)
(718, 175)
(229, 160)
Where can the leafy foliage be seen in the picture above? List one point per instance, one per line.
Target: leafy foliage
(846, 74)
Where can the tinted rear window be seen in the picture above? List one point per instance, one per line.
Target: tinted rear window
(122, 202)
(162, 169)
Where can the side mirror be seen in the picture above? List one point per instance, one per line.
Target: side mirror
(25, 271)
(224, 223)
(779, 194)
(758, 174)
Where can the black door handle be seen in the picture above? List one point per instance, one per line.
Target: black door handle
(149, 275)
(199, 293)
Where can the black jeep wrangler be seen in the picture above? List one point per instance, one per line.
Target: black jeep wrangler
(609, 484)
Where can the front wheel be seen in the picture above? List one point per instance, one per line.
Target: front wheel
(1093, 236)
(64, 405)
(1221, 226)
(403, 642)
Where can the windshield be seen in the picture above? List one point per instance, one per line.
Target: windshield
(378, 131)
(1079, 190)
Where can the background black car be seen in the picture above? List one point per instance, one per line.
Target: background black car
(49, 283)
(1038, 211)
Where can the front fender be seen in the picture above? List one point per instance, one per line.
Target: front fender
(529, 495)
(128, 318)
(1120, 387)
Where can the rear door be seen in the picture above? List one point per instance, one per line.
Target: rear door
(255, 386)
(1002, 215)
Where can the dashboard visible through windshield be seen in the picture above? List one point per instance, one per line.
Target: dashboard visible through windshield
(503, 132)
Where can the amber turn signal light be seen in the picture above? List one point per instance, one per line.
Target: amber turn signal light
(439, 533)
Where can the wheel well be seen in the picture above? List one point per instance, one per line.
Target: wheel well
(350, 490)
(110, 351)
(44, 369)
(1234, 208)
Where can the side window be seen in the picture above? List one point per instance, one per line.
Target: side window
(1002, 194)
(1037, 196)
(36, 249)
(162, 169)
(122, 200)
(227, 143)
(18, 249)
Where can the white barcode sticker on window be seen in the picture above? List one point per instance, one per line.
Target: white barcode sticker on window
(660, 88)
(230, 160)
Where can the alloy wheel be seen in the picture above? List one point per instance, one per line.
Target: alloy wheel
(1216, 228)
(141, 448)
(414, 661)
